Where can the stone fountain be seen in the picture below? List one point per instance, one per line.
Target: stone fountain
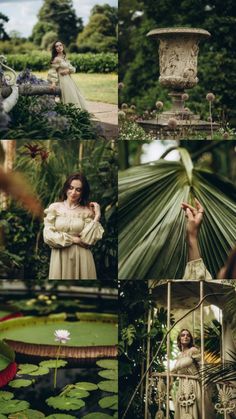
(178, 53)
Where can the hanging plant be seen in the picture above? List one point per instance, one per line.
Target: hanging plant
(152, 224)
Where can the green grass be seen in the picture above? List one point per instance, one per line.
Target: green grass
(96, 86)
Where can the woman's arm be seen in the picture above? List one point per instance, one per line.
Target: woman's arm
(194, 220)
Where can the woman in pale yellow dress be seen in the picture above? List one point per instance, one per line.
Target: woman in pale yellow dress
(187, 399)
(71, 226)
(60, 75)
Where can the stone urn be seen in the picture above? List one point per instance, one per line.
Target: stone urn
(178, 53)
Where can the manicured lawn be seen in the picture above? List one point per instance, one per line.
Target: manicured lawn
(96, 87)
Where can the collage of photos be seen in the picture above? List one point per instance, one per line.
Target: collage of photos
(117, 209)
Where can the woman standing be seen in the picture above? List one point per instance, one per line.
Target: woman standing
(60, 74)
(187, 399)
(71, 226)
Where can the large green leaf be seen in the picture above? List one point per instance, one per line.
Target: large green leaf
(152, 223)
(7, 355)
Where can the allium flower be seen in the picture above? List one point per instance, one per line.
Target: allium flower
(121, 114)
(121, 85)
(185, 96)
(62, 336)
(210, 97)
(124, 106)
(172, 123)
(226, 135)
(133, 107)
(159, 104)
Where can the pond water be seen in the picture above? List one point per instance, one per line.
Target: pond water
(37, 393)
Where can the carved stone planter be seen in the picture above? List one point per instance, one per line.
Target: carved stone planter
(178, 54)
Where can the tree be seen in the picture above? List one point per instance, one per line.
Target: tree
(100, 32)
(3, 35)
(61, 17)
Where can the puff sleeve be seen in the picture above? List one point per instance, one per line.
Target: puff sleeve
(51, 236)
(71, 68)
(196, 270)
(92, 231)
(52, 76)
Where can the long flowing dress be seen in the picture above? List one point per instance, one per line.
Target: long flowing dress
(70, 92)
(69, 260)
(187, 399)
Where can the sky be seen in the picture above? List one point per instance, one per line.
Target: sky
(23, 13)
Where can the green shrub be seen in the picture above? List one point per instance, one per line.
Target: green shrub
(87, 63)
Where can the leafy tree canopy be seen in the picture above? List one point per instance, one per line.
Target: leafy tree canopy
(61, 17)
(100, 32)
(3, 19)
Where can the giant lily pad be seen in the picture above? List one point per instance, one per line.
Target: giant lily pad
(65, 403)
(110, 402)
(111, 386)
(97, 415)
(40, 371)
(12, 406)
(7, 355)
(109, 374)
(40, 330)
(27, 414)
(20, 383)
(86, 386)
(110, 364)
(60, 416)
(6, 395)
(77, 392)
(27, 368)
(52, 363)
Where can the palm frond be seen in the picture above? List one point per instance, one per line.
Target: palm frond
(152, 223)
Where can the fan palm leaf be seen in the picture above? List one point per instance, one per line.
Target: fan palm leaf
(152, 224)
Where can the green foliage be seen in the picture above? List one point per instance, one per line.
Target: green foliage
(139, 63)
(153, 194)
(110, 402)
(110, 385)
(78, 393)
(65, 403)
(111, 364)
(12, 406)
(40, 371)
(23, 234)
(99, 35)
(7, 355)
(13, 46)
(86, 386)
(20, 383)
(6, 395)
(26, 368)
(37, 118)
(27, 414)
(62, 16)
(128, 334)
(48, 39)
(3, 19)
(40, 29)
(52, 363)
(109, 374)
(104, 62)
(97, 415)
(60, 416)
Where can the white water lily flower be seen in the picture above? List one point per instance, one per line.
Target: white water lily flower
(62, 336)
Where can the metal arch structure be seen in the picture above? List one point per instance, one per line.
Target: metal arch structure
(175, 294)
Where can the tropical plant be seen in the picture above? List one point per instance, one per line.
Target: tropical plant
(152, 224)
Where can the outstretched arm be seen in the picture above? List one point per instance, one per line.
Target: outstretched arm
(194, 220)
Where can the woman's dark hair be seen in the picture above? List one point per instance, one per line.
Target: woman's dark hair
(84, 200)
(179, 339)
(54, 51)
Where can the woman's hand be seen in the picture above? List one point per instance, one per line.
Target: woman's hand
(97, 210)
(53, 86)
(77, 240)
(194, 220)
(64, 72)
